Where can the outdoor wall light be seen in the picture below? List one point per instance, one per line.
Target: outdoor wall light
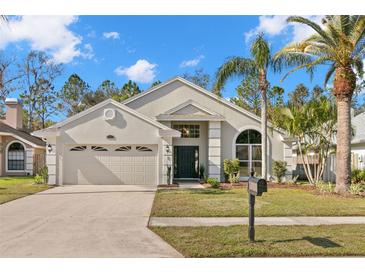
(49, 148)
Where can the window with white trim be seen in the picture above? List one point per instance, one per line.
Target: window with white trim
(248, 151)
(16, 157)
(188, 131)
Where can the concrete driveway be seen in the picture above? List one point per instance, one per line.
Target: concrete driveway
(82, 221)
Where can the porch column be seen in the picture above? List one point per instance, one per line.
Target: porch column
(289, 159)
(214, 150)
(51, 163)
(167, 164)
(29, 152)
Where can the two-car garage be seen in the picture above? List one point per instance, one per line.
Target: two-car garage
(107, 144)
(110, 164)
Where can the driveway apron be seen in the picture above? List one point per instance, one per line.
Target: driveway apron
(82, 221)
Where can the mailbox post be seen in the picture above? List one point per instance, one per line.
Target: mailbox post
(255, 188)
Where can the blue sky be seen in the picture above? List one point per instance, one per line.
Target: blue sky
(150, 48)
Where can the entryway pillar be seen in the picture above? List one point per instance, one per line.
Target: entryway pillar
(167, 164)
(51, 162)
(214, 150)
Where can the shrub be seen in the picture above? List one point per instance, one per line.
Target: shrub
(201, 171)
(362, 175)
(231, 169)
(44, 174)
(356, 176)
(279, 169)
(325, 187)
(38, 179)
(356, 189)
(213, 182)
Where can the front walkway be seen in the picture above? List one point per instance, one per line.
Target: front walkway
(82, 221)
(227, 221)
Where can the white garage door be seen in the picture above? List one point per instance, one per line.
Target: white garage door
(117, 164)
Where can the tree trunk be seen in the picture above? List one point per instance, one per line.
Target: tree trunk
(343, 87)
(263, 87)
(343, 153)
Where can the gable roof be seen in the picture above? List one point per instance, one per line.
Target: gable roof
(203, 91)
(190, 103)
(21, 135)
(54, 128)
(205, 115)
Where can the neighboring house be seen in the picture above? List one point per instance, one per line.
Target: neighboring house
(358, 141)
(157, 136)
(20, 153)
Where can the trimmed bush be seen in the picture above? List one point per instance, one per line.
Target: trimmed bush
(279, 169)
(213, 182)
(325, 187)
(356, 189)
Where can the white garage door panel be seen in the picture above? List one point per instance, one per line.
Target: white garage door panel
(110, 167)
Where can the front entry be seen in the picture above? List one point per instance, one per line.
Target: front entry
(186, 161)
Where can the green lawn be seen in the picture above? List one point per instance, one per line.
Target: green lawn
(16, 187)
(234, 203)
(272, 241)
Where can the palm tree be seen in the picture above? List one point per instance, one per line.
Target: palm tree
(244, 67)
(339, 43)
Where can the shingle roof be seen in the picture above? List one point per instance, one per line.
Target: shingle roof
(22, 134)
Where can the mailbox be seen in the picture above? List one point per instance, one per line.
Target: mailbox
(257, 186)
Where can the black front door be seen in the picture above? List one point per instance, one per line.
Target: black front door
(186, 161)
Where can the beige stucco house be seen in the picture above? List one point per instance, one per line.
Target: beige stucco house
(21, 154)
(163, 134)
(358, 141)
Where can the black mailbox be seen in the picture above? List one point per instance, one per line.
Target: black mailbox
(257, 186)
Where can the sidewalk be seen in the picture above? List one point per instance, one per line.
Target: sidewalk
(227, 221)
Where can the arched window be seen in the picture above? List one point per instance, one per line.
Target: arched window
(16, 157)
(248, 151)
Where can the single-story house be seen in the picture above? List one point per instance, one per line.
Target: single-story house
(21, 154)
(163, 134)
(358, 141)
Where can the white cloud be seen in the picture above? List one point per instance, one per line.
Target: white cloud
(276, 25)
(142, 71)
(88, 52)
(192, 62)
(45, 33)
(111, 35)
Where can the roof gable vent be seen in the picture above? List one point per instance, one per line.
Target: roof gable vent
(109, 114)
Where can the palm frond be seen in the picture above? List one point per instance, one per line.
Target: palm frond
(359, 66)
(329, 74)
(345, 24)
(292, 55)
(234, 66)
(308, 66)
(260, 51)
(317, 28)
